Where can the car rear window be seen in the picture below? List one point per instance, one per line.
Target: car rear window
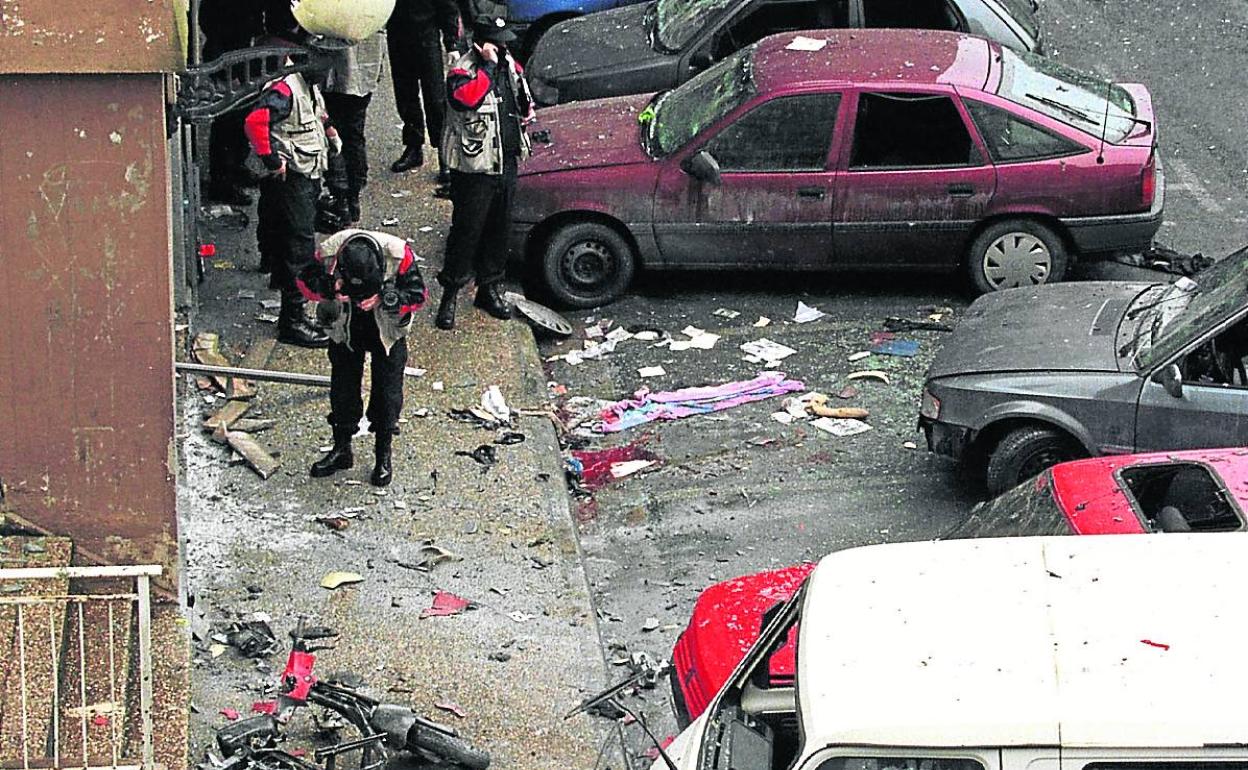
(1066, 94)
(1027, 509)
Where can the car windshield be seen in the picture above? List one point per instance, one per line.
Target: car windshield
(1027, 509)
(1180, 314)
(1021, 11)
(1073, 97)
(679, 20)
(683, 113)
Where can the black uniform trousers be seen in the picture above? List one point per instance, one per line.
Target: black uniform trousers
(419, 79)
(480, 225)
(285, 229)
(348, 170)
(385, 399)
(227, 151)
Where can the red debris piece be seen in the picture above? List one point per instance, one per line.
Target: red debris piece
(452, 707)
(298, 752)
(207, 250)
(653, 753)
(264, 707)
(99, 720)
(1158, 645)
(597, 464)
(878, 338)
(230, 714)
(445, 603)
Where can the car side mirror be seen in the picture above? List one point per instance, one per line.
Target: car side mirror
(701, 59)
(702, 166)
(1170, 378)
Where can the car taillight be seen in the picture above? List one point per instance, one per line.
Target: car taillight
(929, 407)
(1148, 181)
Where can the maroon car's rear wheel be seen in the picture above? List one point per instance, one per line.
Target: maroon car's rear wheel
(1024, 453)
(586, 264)
(1015, 253)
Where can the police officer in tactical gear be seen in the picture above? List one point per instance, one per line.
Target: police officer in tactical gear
(483, 144)
(348, 90)
(368, 286)
(416, 33)
(289, 132)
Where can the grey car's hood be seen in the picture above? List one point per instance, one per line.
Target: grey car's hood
(1065, 327)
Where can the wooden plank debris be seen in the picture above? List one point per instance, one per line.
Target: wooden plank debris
(206, 350)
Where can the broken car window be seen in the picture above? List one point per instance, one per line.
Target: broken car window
(688, 110)
(791, 133)
(1066, 94)
(679, 21)
(907, 130)
(756, 22)
(1011, 139)
(1219, 294)
(909, 14)
(1181, 497)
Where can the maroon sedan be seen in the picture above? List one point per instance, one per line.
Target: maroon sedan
(829, 150)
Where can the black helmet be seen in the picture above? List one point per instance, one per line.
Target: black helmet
(359, 266)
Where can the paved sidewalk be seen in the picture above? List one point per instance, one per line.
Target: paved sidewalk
(529, 651)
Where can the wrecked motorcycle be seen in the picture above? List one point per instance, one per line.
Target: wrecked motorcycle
(382, 726)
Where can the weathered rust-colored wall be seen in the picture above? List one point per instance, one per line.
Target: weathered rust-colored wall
(92, 35)
(86, 383)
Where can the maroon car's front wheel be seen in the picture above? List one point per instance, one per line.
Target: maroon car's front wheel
(586, 264)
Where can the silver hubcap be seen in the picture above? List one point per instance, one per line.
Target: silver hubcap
(1017, 259)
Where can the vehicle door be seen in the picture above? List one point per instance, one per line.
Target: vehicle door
(888, 758)
(910, 14)
(1211, 405)
(916, 180)
(772, 205)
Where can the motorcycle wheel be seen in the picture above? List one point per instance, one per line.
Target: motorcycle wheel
(447, 747)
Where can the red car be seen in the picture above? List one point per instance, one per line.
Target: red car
(1193, 491)
(843, 150)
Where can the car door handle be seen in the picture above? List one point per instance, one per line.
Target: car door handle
(811, 192)
(961, 190)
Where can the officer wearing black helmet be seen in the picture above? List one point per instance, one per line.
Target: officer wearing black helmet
(367, 286)
(483, 144)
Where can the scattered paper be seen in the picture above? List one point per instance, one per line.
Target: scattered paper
(390, 221)
(618, 334)
(425, 229)
(861, 354)
(400, 193)
(593, 332)
(766, 350)
(724, 312)
(698, 338)
(445, 603)
(803, 43)
(270, 304)
(437, 385)
(841, 427)
(267, 318)
(784, 418)
(495, 405)
(520, 617)
(805, 313)
(629, 467)
(903, 348)
(648, 335)
(412, 371)
(651, 371)
(762, 321)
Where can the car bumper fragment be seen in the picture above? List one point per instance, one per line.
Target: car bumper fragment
(945, 439)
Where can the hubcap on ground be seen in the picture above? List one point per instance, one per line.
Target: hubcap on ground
(1017, 259)
(588, 264)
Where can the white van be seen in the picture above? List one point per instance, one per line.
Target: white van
(1054, 653)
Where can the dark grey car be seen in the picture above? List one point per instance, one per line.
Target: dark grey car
(659, 45)
(1033, 377)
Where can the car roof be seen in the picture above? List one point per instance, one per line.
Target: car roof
(875, 57)
(1094, 501)
(1099, 641)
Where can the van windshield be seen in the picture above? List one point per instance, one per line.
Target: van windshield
(1075, 98)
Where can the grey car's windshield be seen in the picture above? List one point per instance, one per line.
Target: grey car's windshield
(1073, 97)
(679, 20)
(1220, 292)
(685, 112)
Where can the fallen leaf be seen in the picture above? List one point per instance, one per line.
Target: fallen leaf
(335, 579)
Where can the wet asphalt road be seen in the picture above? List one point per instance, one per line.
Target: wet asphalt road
(739, 492)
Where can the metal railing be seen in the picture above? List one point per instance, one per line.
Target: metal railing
(57, 621)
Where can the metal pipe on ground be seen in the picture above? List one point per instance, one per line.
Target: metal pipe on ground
(262, 375)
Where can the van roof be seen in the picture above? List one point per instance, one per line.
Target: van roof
(874, 58)
(1098, 641)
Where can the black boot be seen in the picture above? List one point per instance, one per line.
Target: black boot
(332, 213)
(446, 309)
(382, 472)
(338, 459)
(293, 327)
(353, 208)
(412, 157)
(490, 299)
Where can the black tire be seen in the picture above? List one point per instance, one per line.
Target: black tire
(587, 264)
(1024, 453)
(450, 748)
(1015, 253)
